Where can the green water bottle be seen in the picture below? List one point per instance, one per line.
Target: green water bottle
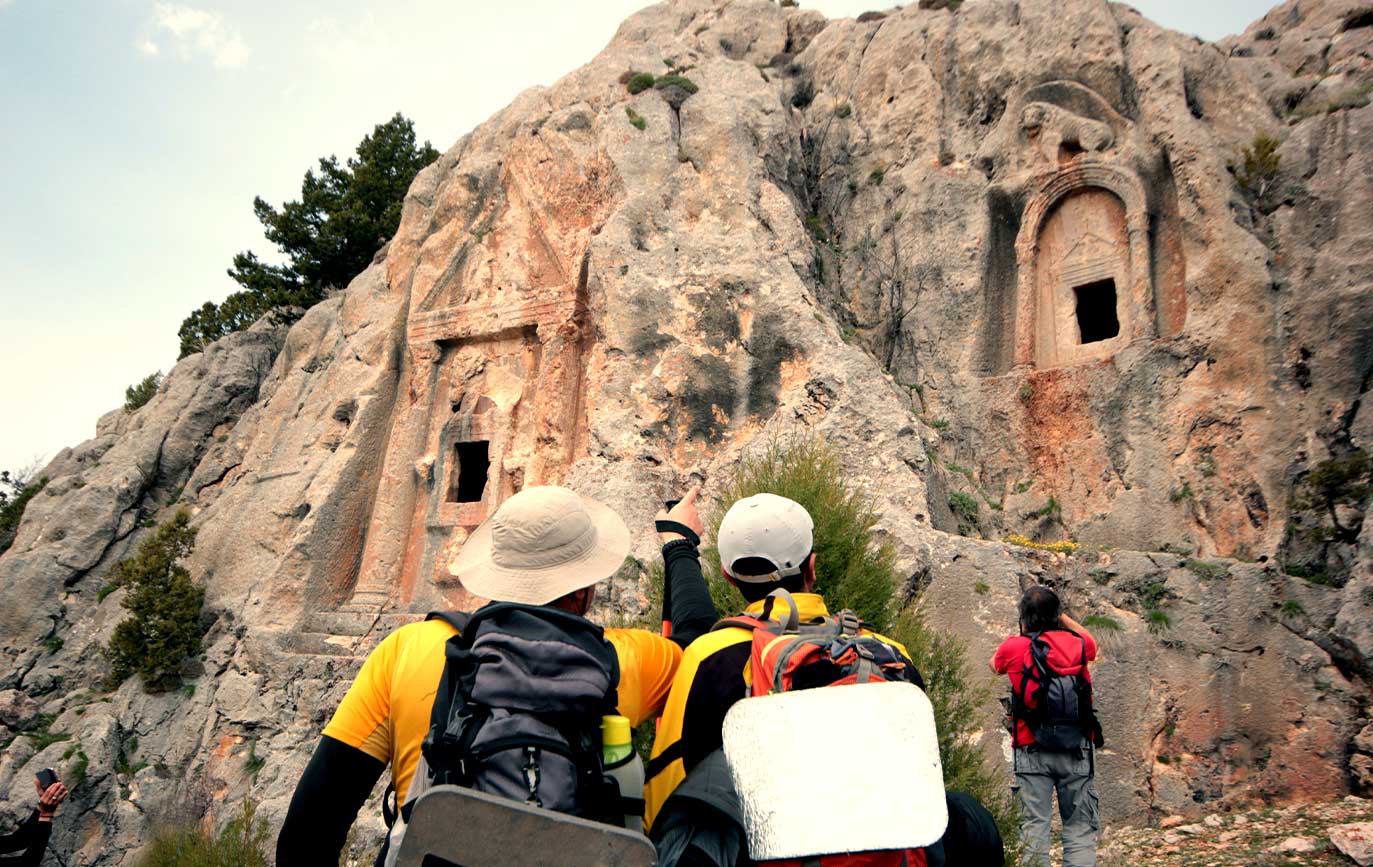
(622, 764)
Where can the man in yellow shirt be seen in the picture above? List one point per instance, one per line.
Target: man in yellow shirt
(545, 548)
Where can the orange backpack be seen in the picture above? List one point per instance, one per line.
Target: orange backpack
(829, 651)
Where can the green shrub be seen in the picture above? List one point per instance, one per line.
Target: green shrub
(815, 224)
(254, 763)
(851, 571)
(843, 110)
(1292, 608)
(164, 627)
(1207, 571)
(1334, 485)
(76, 774)
(965, 509)
(982, 588)
(1025, 392)
(15, 493)
(1101, 623)
(635, 119)
(639, 82)
(135, 396)
(1157, 620)
(1152, 594)
(939, 424)
(856, 571)
(1051, 510)
(53, 643)
(123, 759)
(1310, 573)
(1256, 172)
(243, 843)
(876, 176)
(1177, 495)
(1022, 487)
(681, 81)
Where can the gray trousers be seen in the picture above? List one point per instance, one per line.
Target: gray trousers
(1039, 775)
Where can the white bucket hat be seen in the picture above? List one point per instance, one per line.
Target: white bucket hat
(542, 544)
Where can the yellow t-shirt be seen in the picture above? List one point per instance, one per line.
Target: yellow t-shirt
(386, 711)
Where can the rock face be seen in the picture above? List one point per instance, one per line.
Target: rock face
(993, 254)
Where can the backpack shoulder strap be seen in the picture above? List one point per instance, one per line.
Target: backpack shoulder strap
(456, 619)
(741, 621)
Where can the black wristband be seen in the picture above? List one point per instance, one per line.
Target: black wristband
(678, 543)
(668, 526)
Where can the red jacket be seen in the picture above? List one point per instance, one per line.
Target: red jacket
(1065, 657)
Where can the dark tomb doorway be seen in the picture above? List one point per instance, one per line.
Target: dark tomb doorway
(1096, 310)
(472, 463)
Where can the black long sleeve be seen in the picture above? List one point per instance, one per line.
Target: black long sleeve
(332, 789)
(693, 612)
(32, 837)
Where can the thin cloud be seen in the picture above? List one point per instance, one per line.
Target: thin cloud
(191, 33)
(333, 41)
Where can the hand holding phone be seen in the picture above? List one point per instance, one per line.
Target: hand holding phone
(51, 793)
(684, 512)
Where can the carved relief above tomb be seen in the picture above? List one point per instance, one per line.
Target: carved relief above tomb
(1094, 233)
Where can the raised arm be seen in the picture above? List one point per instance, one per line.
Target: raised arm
(689, 611)
(1069, 623)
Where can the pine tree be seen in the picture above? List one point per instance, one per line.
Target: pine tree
(164, 627)
(345, 213)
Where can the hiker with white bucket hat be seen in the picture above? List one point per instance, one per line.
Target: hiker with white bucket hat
(508, 701)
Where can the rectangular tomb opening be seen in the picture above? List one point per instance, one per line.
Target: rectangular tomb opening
(471, 465)
(1096, 310)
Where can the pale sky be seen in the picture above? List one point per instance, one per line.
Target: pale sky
(137, 133)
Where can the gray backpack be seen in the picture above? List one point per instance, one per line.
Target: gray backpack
(518, 710)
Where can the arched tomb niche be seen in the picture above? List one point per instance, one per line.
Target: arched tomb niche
(1085, 288)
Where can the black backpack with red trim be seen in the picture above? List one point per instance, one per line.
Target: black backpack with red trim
(1056, 707)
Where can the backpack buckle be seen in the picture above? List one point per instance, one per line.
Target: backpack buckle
(849, 624)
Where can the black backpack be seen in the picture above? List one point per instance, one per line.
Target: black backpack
(1057, 707)
(518, 709)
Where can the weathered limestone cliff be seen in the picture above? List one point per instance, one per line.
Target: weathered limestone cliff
(996, 256)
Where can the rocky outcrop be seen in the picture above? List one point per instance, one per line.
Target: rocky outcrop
(996, 259)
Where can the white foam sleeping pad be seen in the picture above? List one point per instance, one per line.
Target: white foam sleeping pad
(837, 769)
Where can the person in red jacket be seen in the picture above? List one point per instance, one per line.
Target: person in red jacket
(1040, 772)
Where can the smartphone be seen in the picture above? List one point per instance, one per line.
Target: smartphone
(46, 778)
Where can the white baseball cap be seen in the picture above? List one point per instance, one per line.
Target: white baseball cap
(770, 527)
